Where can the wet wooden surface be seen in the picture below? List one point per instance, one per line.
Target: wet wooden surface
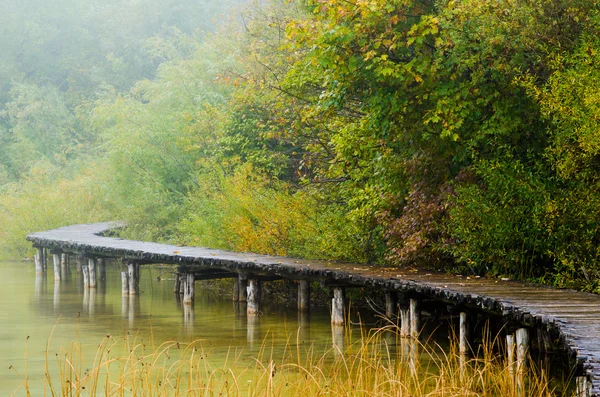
(573, 316)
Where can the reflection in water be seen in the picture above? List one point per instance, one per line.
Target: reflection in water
(337, 335)
(188, 319)
(41, 286)
(134, 309)
(303, 327)
(26, 308)
(56, 294)
(253, 331)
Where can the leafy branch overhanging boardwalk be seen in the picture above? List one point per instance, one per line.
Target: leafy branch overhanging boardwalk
(570, 318)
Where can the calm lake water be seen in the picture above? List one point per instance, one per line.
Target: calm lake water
(36, 312)
(39, 317)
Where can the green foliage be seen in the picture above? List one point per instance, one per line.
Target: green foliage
(249, 213)
(44, 201)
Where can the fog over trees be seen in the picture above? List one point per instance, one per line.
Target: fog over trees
(458, 135)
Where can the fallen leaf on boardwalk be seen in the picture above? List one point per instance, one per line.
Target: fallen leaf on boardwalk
(176, 252)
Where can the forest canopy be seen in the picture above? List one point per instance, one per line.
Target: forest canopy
(455, 135)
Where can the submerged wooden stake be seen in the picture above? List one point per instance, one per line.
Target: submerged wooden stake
(303, 296)
(338, 306)
(415, 318)
(254, 290)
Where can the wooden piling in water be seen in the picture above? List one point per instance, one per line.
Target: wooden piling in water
(236, 289)
(415, 318)
(243, 287)
(338, 304)
(44, 258)
(86, 278)
(80, 263)
(56, 263)
(188, 289)
(404, 321)
(463, 334)
(133, 275)
(39, 266)
(177, 285)
(92, 272)
(125, 283)
(303, 296)
(582, 387)
(254, 291)
(522, 340)
(391, 303)
(510, 353)
(64, 265)
(101, 265)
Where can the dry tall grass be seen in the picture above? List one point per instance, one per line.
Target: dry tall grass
(379, 364)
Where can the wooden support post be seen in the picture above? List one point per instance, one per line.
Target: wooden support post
(583, 387)
(45, 258)
(544, 341)
(177, 285)
(404, 321)
(80, 263)
(510, 353)
(101, 265)
(39, 266)
(303, 296)
(243, 279)
(415, 318)
(188, 289)
(56, 262)
(86, 277)
(236, 289)
(463, 341)
(254, 290)
(338, 304)
(92, 272)
(391, 302)
(133, 281)
(125, 283)
(522, 338)
(64, 265)
(136, 267)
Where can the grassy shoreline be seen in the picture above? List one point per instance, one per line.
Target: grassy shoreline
(380, 363)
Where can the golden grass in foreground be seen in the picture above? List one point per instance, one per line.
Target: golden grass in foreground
(372, 366)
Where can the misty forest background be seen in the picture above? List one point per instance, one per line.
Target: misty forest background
(456, 135)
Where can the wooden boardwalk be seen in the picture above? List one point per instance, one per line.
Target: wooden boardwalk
(572, 318)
